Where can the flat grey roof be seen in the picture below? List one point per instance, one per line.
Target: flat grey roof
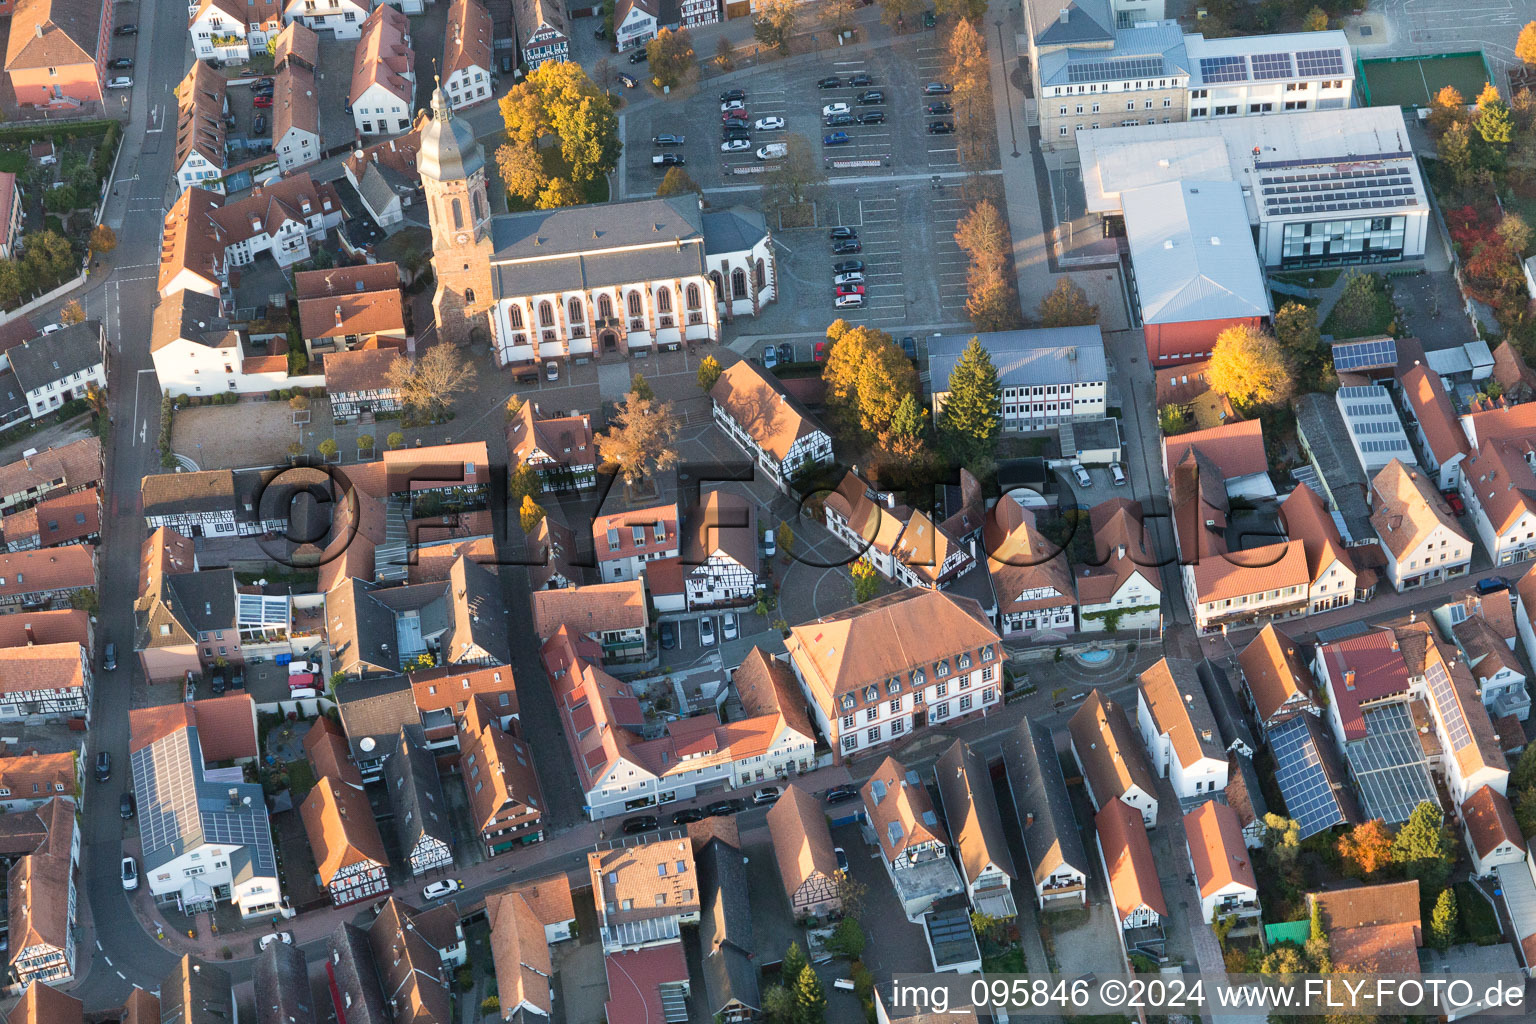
(1047, 355)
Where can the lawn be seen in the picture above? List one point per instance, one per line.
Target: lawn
(1308, 278)
(301, 779)
(13, 161)
(1364, 310)
(1475, 917)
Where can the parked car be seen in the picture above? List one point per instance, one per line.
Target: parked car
(668, 160)
(939, 107)
(103, 767)
(835, 108)
(130, 874)
(848, 302)
(820, 354)
(259, 125)
(870, 97)
(732, 95)
(218, 684)
(770, 543)
(667, 140)
(109, 656)
(853, 277)
(786, 352)
(846, 246)
(738, 104)
(1458, 507)
(743, 115)
(639, 56)
(772, 151)
(126, 806)
(120, 64)
(937, 89)
(848, 289)
(941, 127)
(841, 232)
(909, 347)
(835, 139)
(735, 145)
(838, 121)
(687, 815)
(551, 370)
(722, 808)
(871, 117)
(628, 81)
(639, 823)
(842, 859)
(437, 890)
(121, 82)
(841, 794)
(126, 30)
(728, 627)
(263, 87)
(1082, 476)
(861, 79)
(262, 101)
(767, 795)
(770, 357)
(668, 636)
(1117, 473)
(769, 124)
(1492, 585)
(930, 19)
(848, 267)
(735, 130)
(286, 938)
(706, 632)
(830, 82)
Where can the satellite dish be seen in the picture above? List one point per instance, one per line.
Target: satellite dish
(366, 743)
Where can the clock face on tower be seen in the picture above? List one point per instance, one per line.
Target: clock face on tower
(461, 238)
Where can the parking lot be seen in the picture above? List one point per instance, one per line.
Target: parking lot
(950, 264)
(789, 90)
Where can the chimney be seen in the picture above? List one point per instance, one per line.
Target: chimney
(1029, 818)
(1349, 679)
(31, 637)
(39, 30)
(234, 797)
(1064, 14)
(338, 316)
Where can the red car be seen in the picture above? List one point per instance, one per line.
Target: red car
(735, 115)
(1458, 507)
(849, 289)
(821, 352)
(262, 101)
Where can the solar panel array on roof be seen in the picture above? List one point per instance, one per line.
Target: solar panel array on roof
(167, 796)
(1271, 65)
(1388, 764)
(1215, 70)
(1370, 187)
(1320, 62)
(1375, 427)
(1439, 682)
(1309, 798)
(1378, 353)
(1395, 445)
(1362, 391)
(1368, 409)
(1110, 70)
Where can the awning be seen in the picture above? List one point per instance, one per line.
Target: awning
(999, 905)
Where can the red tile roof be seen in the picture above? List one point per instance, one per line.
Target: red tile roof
(1490, 821)
(1363, 669)
(1237, 449)
(1128, 857)
(633, 980)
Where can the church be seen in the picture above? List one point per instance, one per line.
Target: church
(582, 281)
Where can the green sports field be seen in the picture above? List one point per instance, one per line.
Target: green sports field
(1413, 81)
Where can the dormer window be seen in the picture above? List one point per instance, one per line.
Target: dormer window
(964, 661)
(987, 653)
(871, 693)
(893, 685)
(941, 669)
(847, 697)
(919, 677)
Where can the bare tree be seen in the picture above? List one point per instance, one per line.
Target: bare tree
(642, 439)
(432, 382)
(796, 174)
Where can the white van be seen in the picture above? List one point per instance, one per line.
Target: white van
(773, 151)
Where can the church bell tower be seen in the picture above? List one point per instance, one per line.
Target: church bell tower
(452, 167)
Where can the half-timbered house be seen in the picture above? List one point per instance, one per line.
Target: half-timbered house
(773, 428)
(198, 504)
(802, 845)
(344, 836)
(719, 556)
(421, 812)
(45, 682)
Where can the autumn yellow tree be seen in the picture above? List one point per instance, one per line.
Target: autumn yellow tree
(1525, 44)
(1249, 367)
(1447, 108)
(867, 377)
(1366, 848)
(72, 313)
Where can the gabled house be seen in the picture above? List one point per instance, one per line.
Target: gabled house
(904, 545)
(195, 992)
(383, 74)
(726, 943)
(344, 308)
(1334, 578)
(561, 449)
(719, 555)
(196, 352)
(421, 811)
(295, 117)
(645, 892)
(1473, 757)
(45, 682)
(1421, 540)
(1058, 865)
(913, 844)
(467, 58)
(41, 892)
(31, 778)
(774, 429)
(520, 955)
(45, 578)
(1179, 729)
(1122, 588)
(71, 467)
(869, 672)
(1372, 929)
(43, 1004)
(1490, 831)
(192, 246)
(12, 216)
(201, 106)
(60, 367)
(280, 986)
(802, 845)
(296, 43)
(1441, 440)
(541, 31)
(1113, 763)
(613, 615)
(505, 803)
(349, 852)
(970, 810)
(552, 554)
(357, 382)
(1126, 857)
(170, 750)
(384, 175)
(373, 711)
(284, 217)
(73, 518)
(1030, 575)
(1232, 729)
(414, 952)
(634, 23)
(342, 17)
(1245, 796)
(1499, 490)
(354, 982)
(1221, 863)
(1500, 675)
(56, 55)
(218, 30)
(625, 542)
(1276, 680)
